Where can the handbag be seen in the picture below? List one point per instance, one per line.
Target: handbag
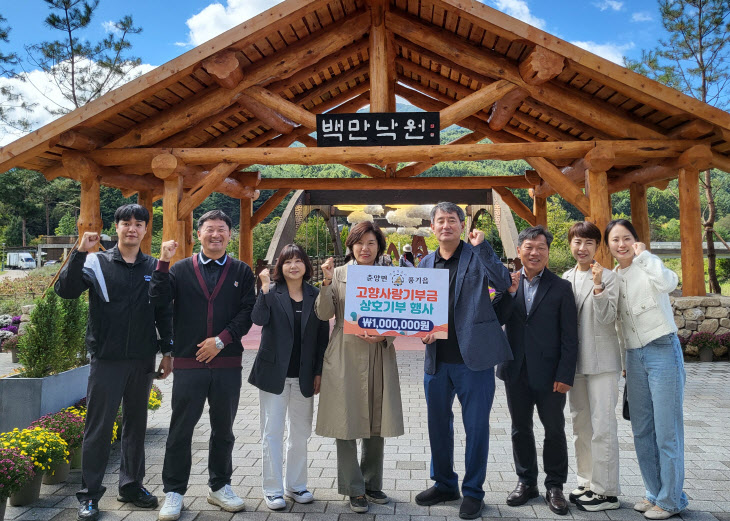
(625, 411)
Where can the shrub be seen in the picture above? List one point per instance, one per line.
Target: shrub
(704, 341)
(45, 448)
(16, 470)
(68, 425)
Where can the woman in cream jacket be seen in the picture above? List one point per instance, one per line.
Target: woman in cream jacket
(594, 394)
(654, 366)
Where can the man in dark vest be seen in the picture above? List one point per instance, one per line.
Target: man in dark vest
(122, 358)
(213, 297)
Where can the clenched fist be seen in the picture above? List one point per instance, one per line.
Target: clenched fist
(265, 278)
(476, 237)
(639, 248)
(89, 241)
(328, 270)
(167, 250)
(597, 273)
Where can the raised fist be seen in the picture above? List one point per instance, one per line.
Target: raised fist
(328, 268)
(265, 278)
(639, 247)
(597, 273)
(476, 237)
(515, 276)
(167, 250)
(89, 241)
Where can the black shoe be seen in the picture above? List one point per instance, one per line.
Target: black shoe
(139, 497)
(578, 492)
(88, 510)
(358, 504)
(471, 508)
(556, 501)
(522, 494)
(376, 496)
(595, 502)
(433, 496)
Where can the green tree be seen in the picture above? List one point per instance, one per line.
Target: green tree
(66, 226)
(10, 101)
(37, 349)
(15, 186)
(262, 235)
(694, 59)
(83, 70)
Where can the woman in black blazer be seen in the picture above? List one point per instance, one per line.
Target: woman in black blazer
(287, 372)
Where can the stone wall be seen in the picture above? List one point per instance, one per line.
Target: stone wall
(710, 314)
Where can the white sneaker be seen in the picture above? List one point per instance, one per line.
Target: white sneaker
(305, 496)
(658, 513)
(643, 506)
(275, 502)
(170, 511)
(226, 499)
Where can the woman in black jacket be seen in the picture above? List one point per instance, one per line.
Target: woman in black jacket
(287, 372)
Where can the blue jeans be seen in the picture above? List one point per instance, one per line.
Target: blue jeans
(475, 390)
(655, 377)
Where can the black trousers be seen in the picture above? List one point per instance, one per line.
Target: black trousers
(522, 401)
(112, 382)
(190, 389)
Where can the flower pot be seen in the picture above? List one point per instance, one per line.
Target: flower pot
(57, 475)
(75, 458)
(14, 359)
(3, 502)
(705, 355)
(29, 493)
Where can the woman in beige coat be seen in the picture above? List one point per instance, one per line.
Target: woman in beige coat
(360, 391)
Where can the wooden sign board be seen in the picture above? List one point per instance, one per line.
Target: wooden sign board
(365, 129)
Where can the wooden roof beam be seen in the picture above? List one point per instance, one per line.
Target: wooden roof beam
(721, 161)
(540, 66)
(475, 102)
(411, 183)
(281, 106)
(224, 68)
(75, 140)
(504, 109)
(634, 149)
(567, 189)
(269, 206)
(189, 112)
(491, 64)
(204, 188)
(267, 116)
(698, 157)
(693, 129)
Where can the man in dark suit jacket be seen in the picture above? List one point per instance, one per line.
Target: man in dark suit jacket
(541, 319)
(463, 364)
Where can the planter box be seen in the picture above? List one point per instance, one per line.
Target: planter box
(23, 400)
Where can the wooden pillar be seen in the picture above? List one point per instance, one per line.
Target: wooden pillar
(90, 215)
(145, 199)
(171, 227)
(597, 192)
(189, 230)
(539, 208)
(245, 231)
(640, 212)
(690, 228)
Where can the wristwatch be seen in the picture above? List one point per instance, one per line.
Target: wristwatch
(219, 343)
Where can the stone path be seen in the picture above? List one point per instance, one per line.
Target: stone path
(707, 421)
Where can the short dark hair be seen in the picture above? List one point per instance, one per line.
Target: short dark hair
(358, 232)
(126, 212)
(447, 207)
(585, 230)
(292, 251)
(215, 215)
(620, 222)
(532, 233)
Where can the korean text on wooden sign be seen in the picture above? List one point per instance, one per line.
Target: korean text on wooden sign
(378, 129)
(396, 301)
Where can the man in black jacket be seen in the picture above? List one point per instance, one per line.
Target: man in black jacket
(122, 339)
(541, 322)
(213, 298)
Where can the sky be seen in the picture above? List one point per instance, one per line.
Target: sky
(610, 28)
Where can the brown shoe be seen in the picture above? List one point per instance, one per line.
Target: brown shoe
(522, 494)
(556, 501)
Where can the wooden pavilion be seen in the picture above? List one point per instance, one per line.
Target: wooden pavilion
(586, 126)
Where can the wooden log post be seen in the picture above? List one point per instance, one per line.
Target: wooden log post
(89, 174)
(381, 71)
(189, 231)
(539, 208)
(164, 166)
(690, 228)
(145, 199)
(640, 213)
(245, 230)
(597, 162)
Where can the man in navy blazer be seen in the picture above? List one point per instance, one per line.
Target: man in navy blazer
(541, 322)
(463, 364)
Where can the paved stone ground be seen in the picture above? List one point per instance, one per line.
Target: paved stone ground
(707, 420)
